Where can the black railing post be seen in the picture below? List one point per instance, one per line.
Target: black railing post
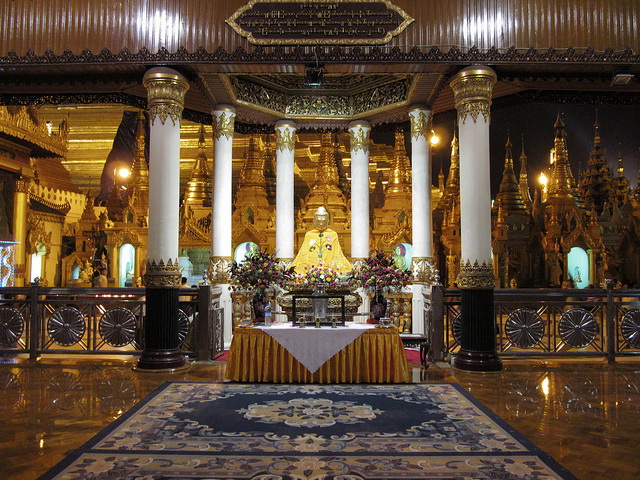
(437, 322)
(612, 337)
(34, 323)
(204, 324)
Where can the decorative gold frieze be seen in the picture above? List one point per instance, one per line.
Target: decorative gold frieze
(476, 276)
(424, 271)
(22, 185)
(219, 270)
(359, 138)
(161, 275)
(472, 88)
(165, 94)
(285, 139)
(262, 97)
(419, 124)
(224, 125)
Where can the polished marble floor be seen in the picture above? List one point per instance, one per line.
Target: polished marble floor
(586, 414)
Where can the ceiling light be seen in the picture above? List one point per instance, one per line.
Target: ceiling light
(621, 79)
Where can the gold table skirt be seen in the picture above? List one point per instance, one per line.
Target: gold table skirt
(376, 356)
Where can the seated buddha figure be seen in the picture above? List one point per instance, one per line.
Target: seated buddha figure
(321, 247)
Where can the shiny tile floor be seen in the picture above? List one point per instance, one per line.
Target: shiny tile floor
(585, 414)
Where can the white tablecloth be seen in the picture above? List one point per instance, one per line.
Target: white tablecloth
(311, 346)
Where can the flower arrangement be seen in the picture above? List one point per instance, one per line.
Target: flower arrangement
(259, 271)
(379, 273)
(321, 274)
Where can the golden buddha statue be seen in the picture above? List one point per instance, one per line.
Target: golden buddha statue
(321, 246)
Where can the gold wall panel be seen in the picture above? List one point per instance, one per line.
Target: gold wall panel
(78, 25)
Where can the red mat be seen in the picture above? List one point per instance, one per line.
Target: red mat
(413, 356)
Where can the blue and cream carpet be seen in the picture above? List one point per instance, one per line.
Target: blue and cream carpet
(308, 432)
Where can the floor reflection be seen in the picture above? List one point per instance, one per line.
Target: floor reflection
(585, 414)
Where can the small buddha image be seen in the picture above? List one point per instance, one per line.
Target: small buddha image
(399, 253)
(321, 246)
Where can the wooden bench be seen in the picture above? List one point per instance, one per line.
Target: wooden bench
(417, 340)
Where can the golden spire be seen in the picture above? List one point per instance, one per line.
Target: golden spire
(509, 198)
(596, 183)
(251, 189)
(441, 179)
(326, 173)
(89, 212)
(452, 187)
(400, 178)
(198, 190)
(523, 183)
(139, 184)
(560, 184)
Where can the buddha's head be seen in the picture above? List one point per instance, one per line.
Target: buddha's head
(321, 218)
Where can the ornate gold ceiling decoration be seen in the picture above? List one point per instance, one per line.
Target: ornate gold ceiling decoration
(378, 97)
(327, 22)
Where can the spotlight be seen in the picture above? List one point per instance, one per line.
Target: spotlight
(313, 77)
(621, 79)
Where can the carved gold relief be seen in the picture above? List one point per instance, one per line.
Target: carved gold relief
(21, 122)
(224, 125)
(424, 271)
(285, 139)
(165, 94)
(419, 125)
(472, 89)
(219, 270)
(161, 275)
(476, 275)
(359, 139)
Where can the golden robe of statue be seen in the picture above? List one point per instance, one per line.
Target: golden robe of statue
(321, 246)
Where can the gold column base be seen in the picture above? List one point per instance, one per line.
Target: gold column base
(424, 271)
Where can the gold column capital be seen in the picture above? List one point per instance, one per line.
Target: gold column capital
(22, 185)
(419, 121)
(285, 135)
(359, 135)
(476, 276)
(163, 275)
(224, 117)
(472, 88)
(165, 94)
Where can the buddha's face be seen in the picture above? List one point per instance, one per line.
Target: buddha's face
(321, 220)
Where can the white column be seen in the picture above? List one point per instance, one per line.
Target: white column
(422, 235)
(165, 111)
(423, 266)
(222, 203)
(285, 222)
(472, 93)
(222, 208)
(359, 135)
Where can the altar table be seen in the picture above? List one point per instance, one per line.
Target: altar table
(375, 355)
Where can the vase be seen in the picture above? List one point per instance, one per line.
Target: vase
(257, 305)
(319, 304)
(378, 305)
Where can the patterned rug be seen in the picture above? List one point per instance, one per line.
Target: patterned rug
(308, 432)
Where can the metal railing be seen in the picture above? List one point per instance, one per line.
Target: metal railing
(543, 322)
(38, 320)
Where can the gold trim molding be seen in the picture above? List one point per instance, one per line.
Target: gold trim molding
(19, 122)
(424, 271)
(166, 89)
(163, 275)
(472, 88)
(286, 20)
(476, 276)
